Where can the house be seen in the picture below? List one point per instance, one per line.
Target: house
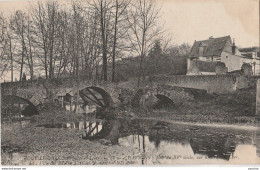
(209, 53)
(251, 56)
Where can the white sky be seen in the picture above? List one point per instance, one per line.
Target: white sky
(190, 20)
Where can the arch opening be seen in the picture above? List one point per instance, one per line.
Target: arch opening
(96, 95)
(12, 105)
(163, 101)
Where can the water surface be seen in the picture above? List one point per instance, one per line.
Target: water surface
(169, 143)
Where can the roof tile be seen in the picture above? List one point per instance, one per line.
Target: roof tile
(213, 47)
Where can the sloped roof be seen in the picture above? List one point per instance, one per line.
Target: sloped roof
(248, 55)
(213, 47)
(250, 49)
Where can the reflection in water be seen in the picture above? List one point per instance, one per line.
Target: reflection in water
(81, 108)
(165, 143)
(88, 127)
(173, 142)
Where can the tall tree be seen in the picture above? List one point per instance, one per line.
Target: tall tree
(103, 8)
(18, 26)
(4, 45)
(77, 40)
(156, 51)
(120, 16)
(44, 18)
(142, 18)
(114, 43)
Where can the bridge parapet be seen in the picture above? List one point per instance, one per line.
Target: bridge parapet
(211, 83)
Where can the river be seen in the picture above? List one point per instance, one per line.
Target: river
(159, 142)
(170, 143)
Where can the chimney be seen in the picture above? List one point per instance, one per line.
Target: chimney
(234, 47)
(211, 38)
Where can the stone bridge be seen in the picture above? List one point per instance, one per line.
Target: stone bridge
(178, 89)
(40, 91)
(118, 94)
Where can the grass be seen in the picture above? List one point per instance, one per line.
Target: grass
(234, 108)
(52, 113)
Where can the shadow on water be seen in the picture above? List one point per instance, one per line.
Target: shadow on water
(170, 142)
(16, 107)
(160, 142)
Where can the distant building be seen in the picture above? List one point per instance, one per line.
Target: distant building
(208, 53)
(251, 56)
(205, 55)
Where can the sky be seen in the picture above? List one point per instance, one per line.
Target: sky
(190, 20)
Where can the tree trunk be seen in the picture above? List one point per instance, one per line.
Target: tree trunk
(140, 71)
(21, 70)
(114, 46)
(51, 71)
(142, 57)
(104, 46)
(45, 63)
(11, 57)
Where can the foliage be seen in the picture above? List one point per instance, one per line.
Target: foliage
(167, 65)
(232, 108)
(156, 51)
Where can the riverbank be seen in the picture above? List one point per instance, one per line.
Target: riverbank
(41, 141)
(34, 143)
(214, 125)
(236, 108)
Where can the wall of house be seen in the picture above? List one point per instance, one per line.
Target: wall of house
(198, 67)
(192, 68)
(255, 67)
(211, 83)
(233, 62)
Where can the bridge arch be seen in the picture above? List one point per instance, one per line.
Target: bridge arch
(96, 95)
(163, 101)
(143, 96)
(7, 100)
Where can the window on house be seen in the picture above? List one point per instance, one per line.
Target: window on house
(226, 56)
